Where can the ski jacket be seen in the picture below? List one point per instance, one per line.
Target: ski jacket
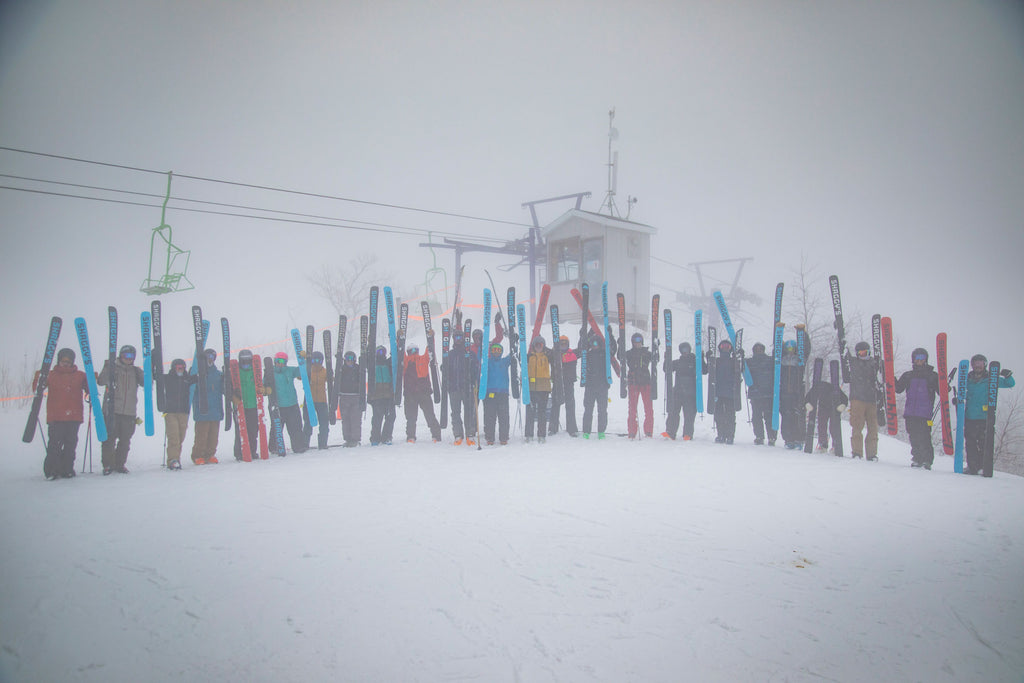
(596, 368)
(569, 359)
(177, 397)
(497, 374)
(384, 384)
(638, 366)
(463, 369)
(317, 382)
(762, 374)
(539, 365)
(215, 385)
(728, 376)
(350, 381)
(284, 385)
(684, 382)
(416, 375)
(791, 378)
(921, 384)
(977, 393)
(127, 380)
(66, 389)
(246, 391)
(864, 379)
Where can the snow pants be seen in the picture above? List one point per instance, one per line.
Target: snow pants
(61, 441)
(537, 412)
(114, 451)
(496, 411)
(351, 420)
(920, 432)
(382, 422)
(863, 414)
(207, 435)
(291, 420)
(568, 401)
(595, 395)
(463, 412)
(413, 405)
(175, 427)
(761, 415)
(974, 444)
(725, 419)
(792, 418)
(688, 405)
(636, 392)
(323, 425)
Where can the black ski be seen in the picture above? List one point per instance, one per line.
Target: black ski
(200, 360)
(228, 405)
(428, 328)
(157, 355)
(44, 372)
(812, 413)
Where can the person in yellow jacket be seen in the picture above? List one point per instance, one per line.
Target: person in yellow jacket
(318, 380)
(539, 363)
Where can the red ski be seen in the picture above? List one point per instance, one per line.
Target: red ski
(257, 376)
(545, 292)
(236, 382)
(594, 326)
(890, 377)
(944, 380)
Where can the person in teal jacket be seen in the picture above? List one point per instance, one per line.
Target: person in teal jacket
(976, 424)
(285, 377)
(207, 432)
(496, 398)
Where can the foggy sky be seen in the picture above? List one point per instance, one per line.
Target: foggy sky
(882, 141)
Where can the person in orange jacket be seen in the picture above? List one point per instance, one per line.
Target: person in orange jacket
(416, 381)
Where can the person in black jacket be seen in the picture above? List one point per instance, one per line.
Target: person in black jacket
(684, 393)
(567, 395)
(638, 380)
(728, 376)
(863, 406)
(596, 390)
(762, 394)
(463, 369)
(177, 406)
(351, 383)
(382, 400)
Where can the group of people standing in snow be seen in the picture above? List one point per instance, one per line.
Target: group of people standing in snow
(552, 376)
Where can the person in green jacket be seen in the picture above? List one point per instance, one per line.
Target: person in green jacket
(244, 399)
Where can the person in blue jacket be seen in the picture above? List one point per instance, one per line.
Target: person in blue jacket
(285, 377)
(204, 447)
(921, 383)
(975, 427)
(496, 398)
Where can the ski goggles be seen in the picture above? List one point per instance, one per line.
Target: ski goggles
(920, 356)
(318, 361)
(863, 353)
(128, 355)
(281, 361)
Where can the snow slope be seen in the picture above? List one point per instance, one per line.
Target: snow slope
(570, 561)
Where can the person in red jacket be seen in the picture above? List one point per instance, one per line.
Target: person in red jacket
(67, 389)
(416, 380)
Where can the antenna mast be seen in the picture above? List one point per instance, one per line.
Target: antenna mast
(613, 163)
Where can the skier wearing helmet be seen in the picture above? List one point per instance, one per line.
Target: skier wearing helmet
(285, 377)
(684, 393)
(207, 430)
(761, 394)
(638, 381)
(351, 383)
(382, 400)
(177, 405)
(496, 395)
(540, 361)
(65, 409)
(792, 420)
(417, 389)
(462, 367)
(244, 400)
(976, 426)
(728, 376)
(121, 425)
(921, 383)
(567, 391)
(318, 388)
(595, 390)
(863, 398)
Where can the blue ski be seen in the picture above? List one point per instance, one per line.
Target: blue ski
(310, 409)
(607, 354)
(698, 336)
(146, 321)
(961, 415)
(524, 370)
(723, 310)
(90, 376)
(485, 350)
(777, 357)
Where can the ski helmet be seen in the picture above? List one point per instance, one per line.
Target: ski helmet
(211, 354)
(496, 347)
(978, 358)
(685, 347)
(127, 351)
(66, 353)
(178, 363)
(412, 349)
(350, 356)
(919, 354)
(381, 351)
(538, 340)
(789, 346)
(563, 338)
(861, 346)
(318, 357)
(758, 348)
(281, 356)
(245, 358)
(637, 338)
(724, 345)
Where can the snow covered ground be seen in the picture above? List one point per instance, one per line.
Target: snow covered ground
(570, 561)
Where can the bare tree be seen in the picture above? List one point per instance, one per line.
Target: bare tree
(347, 286)
(1009, 444)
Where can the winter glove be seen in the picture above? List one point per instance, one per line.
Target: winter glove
(1006, 372)
(138, 420)
(267, 391)
(841, 408)
(809, 407)
(236, 401)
